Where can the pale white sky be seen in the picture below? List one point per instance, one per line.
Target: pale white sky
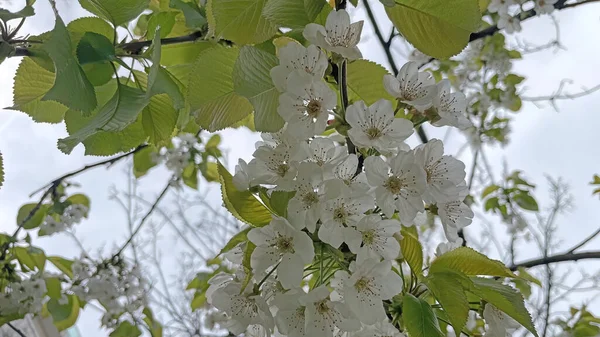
(544, 141)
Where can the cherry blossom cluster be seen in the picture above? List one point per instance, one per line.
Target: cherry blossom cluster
(119, 289)
(178, 157)
(56, 223)
(328, 265)
(506, 10)
(23, 297)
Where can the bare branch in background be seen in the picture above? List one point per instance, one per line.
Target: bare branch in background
(560, 94)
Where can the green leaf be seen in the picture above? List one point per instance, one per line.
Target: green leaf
(292, 13)
(104, 143)
(489, 190)
(198, 301)
(6, 50)
(62, 264)
(117, 12)
(242, 204)
(54, 288)
(512, 79)
(213, 141)
(491, 203)
(252, 79)
(32, 82)
(235, 240)
(365, 81)
(164, 20)
(211, 92)
(159, 119)
(419, 318)
(210, 171)
(438, 28)
(505, 299)
(79, 199)
(71, 86)
(200, 281)
(6, 15)
(190, 176)
(240, 21)
(64, 315)
(35, 219)
(469, 262)
(121, 110)
(126, 329)
(526, 201)
(412, 251)
(155, 327)
(95, 48)
(528, 277)
(449, 290)
(30, 257)
(192, 13)
(279, 201)
(143, 161)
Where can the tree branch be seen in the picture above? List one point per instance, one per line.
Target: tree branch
(15, 329)
(556, 258)
(136, 47)
(582, 243)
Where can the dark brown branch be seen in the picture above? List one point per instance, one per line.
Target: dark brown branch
(557, 258)
(136, 47)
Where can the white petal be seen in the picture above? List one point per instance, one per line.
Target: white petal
(377, 170)
(290, 270)
(332, 233)
(312, 30)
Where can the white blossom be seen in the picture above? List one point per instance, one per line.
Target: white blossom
(544, 6)
(451, 107)
(510, 24)
(280, 243)
(325, 154)
(411, 86)
(346, 171)
(295, 56)
(443, 173)
(338, 36)
(71, 215)
(241, 179)
(379, 329)
(305, 105)
(373, 237)
(376, 127)
(499, 6)
(272, 165)
(499, 323)
(324, 316)
(370, 283)
(455, 215)
(291, 313)
(23, 297)
(304, 208)
(399, 185)
(242, 307)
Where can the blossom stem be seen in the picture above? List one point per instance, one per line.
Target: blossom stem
(267, 276)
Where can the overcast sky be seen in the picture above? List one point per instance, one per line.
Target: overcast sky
(560, 144)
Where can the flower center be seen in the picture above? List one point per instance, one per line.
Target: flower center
(368, 237)
(340, 214)
(310, 198)
(285, 244)
(394, 185)
(322, 307)
(373, 133)
(282, 169)
(313, 108)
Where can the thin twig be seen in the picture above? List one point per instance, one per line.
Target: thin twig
(556, 259)
(582, 243)
(19, 332)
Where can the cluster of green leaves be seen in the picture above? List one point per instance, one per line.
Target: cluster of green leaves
(581, 323)
(515, 191)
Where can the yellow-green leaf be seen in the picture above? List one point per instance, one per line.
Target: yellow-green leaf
(53, 287)
(470, 262)
(449, 290)
(62, 264)
(412, 251)
(211, 92)
(419, 318)
(235, 240)
(242, 204)
(365, 81)
(64, 315)
(240, 21)
(293, 13)
(143, 161)
(117, 12)
(439, 28)
(198, 300)
(30, 219)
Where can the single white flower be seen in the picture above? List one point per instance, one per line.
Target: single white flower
(272, 165)
(325, 153)
(445, 247)
(346, 209)
(399, 185)
(242, 308)
(338, 35)
(373, 237)
(499, 323)
(544, 6)
(370, 283)
(280, 243)
(304, 208)
(451, 107)
(510, 24)
(443, 173)
(305, 105)
(323, 316)
(455, 215)
(379, 329)
(241, 179)
(376, 127)
(500, 6)
(291, 314)
(411, 86)
(346, 171)
(295, 56)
